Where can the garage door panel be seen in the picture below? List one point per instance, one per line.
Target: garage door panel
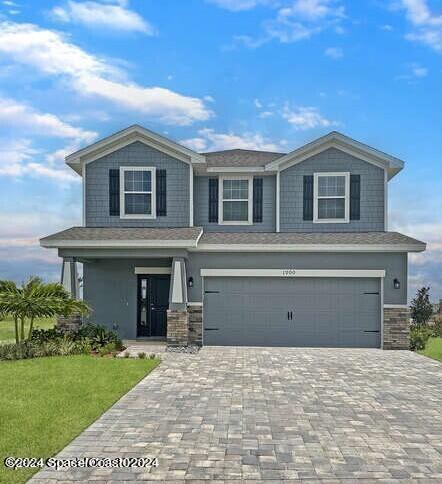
(253, 311)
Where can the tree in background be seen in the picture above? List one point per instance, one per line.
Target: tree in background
(421, 309)
(36, 299)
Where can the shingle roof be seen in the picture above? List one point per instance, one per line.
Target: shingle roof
(292, 238)
(181, 236)
(238, 158)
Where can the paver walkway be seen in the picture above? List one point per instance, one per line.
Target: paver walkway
(274, 414)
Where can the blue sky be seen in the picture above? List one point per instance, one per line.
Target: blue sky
(215, 74)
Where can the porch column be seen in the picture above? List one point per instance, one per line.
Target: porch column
(69, 280)
(177, 315)
(69, 277)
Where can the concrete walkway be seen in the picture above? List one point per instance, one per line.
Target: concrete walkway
(256, 414)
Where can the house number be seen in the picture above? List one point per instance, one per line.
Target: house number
(288, 272)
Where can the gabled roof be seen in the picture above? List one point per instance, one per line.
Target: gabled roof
(344, 143)
(126, 136)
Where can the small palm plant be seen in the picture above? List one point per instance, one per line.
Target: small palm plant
(36, 299)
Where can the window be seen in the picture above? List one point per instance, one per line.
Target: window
(137, 192)
(331, 197)
(235, 200)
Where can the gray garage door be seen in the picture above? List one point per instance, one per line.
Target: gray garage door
(261, 311)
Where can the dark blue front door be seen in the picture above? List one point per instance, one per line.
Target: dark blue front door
(153, 302)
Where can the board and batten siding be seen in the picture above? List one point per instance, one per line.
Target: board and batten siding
(332, 160)
(137, 154)
(201, 207)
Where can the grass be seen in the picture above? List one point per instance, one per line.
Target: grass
(433, 349)
(46, 402)
(7, 331)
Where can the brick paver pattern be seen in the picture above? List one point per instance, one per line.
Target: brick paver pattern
(272, 414)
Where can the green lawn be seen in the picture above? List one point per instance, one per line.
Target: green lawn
(433, 349)
(46, 402)
(7, 331)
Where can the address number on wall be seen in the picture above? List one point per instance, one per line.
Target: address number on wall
(288, 272)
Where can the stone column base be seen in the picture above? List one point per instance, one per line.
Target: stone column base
(177, 327)
(69, 323)
(396, 328)
(195, 324)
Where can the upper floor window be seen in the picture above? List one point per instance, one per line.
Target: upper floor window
(331, 197)
(137, 192)
(235, 201)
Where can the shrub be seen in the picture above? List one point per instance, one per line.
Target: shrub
(99, 336)
(126, 354)
(142, 355)
(45, 335)
(419, 336)
(152, 356)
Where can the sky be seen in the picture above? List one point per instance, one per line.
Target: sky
(215, 74)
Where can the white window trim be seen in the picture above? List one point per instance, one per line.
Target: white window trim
(221, 179)
(344, 220)
(152, 170)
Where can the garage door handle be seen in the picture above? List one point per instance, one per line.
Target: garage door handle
(211, 329)
(371, 331)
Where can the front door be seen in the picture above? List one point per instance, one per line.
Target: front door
(153, 302)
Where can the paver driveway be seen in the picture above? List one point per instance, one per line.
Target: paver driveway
(273, 414)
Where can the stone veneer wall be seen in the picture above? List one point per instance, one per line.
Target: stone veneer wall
(396, 328)
(69, 323)
(195, 325)
(177, 327)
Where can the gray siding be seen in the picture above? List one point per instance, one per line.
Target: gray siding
(110, 287)
(110, 283)
(372, 193)
(201, 204)
(394, 264)
(137, 154)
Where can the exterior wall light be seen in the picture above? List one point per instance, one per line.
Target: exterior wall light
(190, 281)
(396, 284)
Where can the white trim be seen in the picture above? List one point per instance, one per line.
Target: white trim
(177, 287)
(291, 272)
(385, 201)
(190, 196)
(195, 304)
(278, 196)
(235, 169)
(343, 143)
(382, 314)
(153, 190)
(221, 180)
(83, 186)
(306, 248)
(153, 270)
(400, 306)
(346, 197)
(126, 137)
(121, 244)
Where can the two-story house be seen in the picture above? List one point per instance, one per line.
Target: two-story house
(239, 247)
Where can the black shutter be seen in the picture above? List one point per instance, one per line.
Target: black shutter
(355, 197)
(161, 198)
(257, 200)
(213, 200)
(114, 192)
(308, 198)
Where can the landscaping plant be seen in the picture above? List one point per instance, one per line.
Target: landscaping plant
(36, 299)
(421, 309)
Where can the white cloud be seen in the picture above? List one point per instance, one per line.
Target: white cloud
(99, 15)
(265, 114)
(56, 174)
(419, 71)
(386, 27)
(13, 155)
(334, 52)
(306, 117)
(257, 103)
(300, 20)
(415, 71)
(427, 24)
(24, 117)
(50, 53)
(209, 140)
